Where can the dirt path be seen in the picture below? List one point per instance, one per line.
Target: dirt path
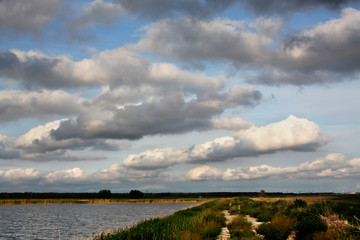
(225, 233)
(254, 224)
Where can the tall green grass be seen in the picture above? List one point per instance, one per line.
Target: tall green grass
(201, 222)
(240, 228)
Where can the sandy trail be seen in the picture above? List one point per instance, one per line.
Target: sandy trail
(225, 233)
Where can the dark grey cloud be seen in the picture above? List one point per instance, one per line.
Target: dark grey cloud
(283, 7)
(166, 115)
(29, 16)
(98, 12)
(326, 53)
(42, 145)
(195, 40)
(138, 98)
(56, 19)
(34, 69)
(64, 20)
(329, 52)
(6, 148)
(169, 115)
(15, 105)
(156, 9)
(333, 45)
(101, 120)
(278, 77)
(38, 145)
(115, 68)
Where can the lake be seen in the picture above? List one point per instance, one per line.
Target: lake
(76, 221)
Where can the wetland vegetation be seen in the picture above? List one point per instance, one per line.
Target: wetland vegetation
(304, 217)
(201, 222)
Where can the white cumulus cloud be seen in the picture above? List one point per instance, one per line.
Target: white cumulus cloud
(204, 172)
(333, 165)
(297, 134)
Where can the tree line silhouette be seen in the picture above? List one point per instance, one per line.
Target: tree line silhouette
(136, 194)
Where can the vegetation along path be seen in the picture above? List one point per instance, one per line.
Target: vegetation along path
(225, 233)
(273, 219)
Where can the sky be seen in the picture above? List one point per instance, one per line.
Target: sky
(179, 96)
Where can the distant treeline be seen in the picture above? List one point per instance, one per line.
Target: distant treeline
(165, 195)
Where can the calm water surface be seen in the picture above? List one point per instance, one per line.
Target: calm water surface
(76, 221)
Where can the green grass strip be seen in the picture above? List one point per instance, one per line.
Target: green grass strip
(201, 222)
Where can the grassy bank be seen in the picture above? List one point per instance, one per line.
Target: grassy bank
(201, 222)
(96, 201)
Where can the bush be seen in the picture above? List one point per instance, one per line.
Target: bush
(332, 234)
(268, 231)
(299, 203)
(240, 228)
(309, 223)
(278, 229)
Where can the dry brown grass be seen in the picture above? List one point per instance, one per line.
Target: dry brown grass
(308, 199)
(332, 234)
(283, 223)
(240, 223)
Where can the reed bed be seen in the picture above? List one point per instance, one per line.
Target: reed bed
(96, 201)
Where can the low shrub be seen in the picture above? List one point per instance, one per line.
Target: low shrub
(268, 231)
(240, 228)
(279, 228)
(299, 203)
(308, 224)
(234, 209)
(240, 223)
(235, 235)
(332, 234)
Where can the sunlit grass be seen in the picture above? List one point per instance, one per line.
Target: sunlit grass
(201, 222)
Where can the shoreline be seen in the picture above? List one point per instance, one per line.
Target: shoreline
(94, 201)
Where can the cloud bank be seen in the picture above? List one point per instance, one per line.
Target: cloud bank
(296, 134)
(311, 56)
(334, 165)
